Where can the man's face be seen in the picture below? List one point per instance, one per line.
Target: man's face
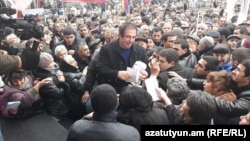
(179, 50)
(222, 22)
(83, 51)
(167, 28)
(57, 27)
(238, 75)
(164, 65)
(74, 26)
(233, 42)
(127, 40)
(237, 32)
(209, 27)
(84, 31)
(69, 39)
(143, 44)
(145, 32)
(108, 37)
(157, 36)
(200, 31)
(222, 58)
(137, 20)
(200, 68)
(187, 12)
(169, 42)
(150, 43)
(200, 47)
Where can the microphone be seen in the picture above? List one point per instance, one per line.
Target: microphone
(7, 11)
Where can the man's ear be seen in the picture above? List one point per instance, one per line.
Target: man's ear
(172, 63)
(185, 50)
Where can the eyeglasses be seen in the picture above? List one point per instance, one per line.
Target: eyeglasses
(201, 28)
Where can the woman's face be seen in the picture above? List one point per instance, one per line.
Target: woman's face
(208, 87)
(18, 83)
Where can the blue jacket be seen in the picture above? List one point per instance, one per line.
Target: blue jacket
(227, 67)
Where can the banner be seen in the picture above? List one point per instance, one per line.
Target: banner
(243, 11)
(86, 1)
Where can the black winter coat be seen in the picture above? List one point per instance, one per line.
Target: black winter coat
(111, 61)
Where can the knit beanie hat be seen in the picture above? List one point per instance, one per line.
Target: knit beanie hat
(45, 60)
(103, 99)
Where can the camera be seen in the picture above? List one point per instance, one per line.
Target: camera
(25, 28)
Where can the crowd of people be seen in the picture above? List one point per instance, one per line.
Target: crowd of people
(79, 70)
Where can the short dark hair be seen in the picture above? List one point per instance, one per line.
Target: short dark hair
(224, 31)
(126, 25)
(240, 54)
(135, 98)
(243, 29)
(16, 74)
(202, 107)
(166, 35)
(146, 20)
(157, 29)
(68, 31)
(170, 54)
(212, 63)
(246, 64)
(183, 43)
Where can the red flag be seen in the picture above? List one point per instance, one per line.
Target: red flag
(86, 1)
